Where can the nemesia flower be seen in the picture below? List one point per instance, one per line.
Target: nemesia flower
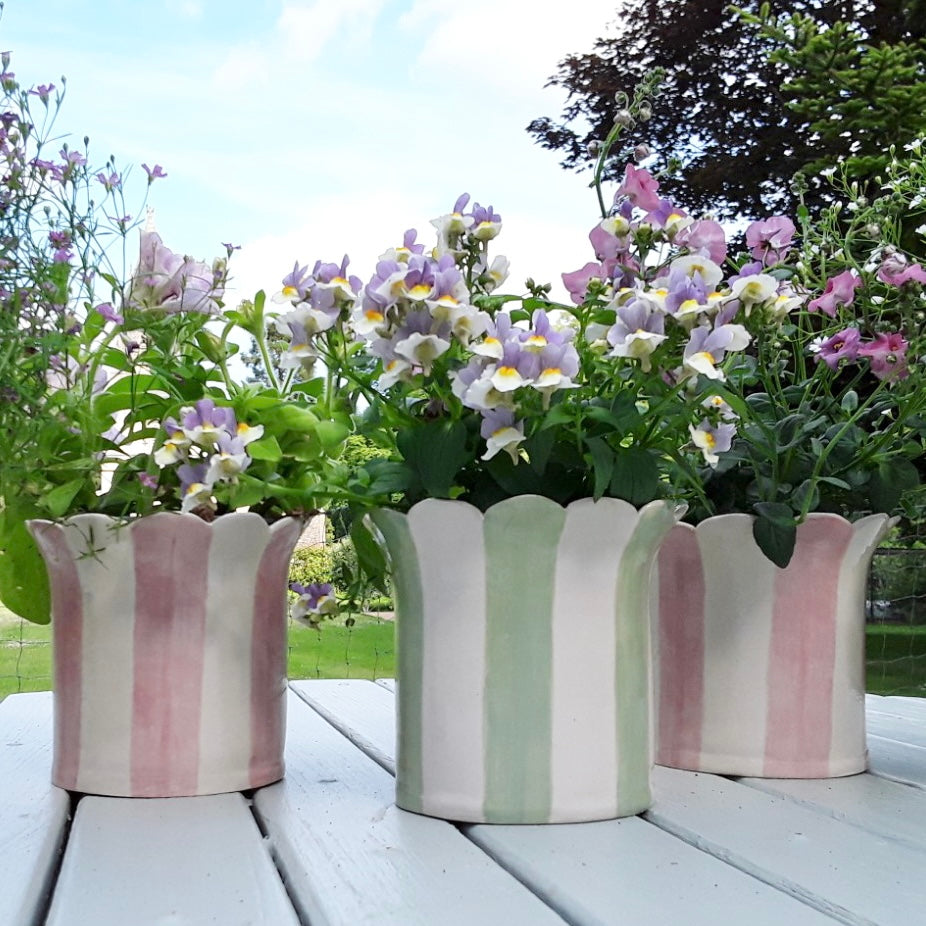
(707, 347)
(421, 350)
(501, 432)
(690, 264)
(205, 422)
(515, 369)
(637, 332)
(839, 291)
(887, 354)
(154, 173)
(296, 285)
(712, 440)
(496, 273)
(755, 289)
(109, 313)
(486, 223)
(194, 488)
(315, 602)
(838, 347)
(229, 460)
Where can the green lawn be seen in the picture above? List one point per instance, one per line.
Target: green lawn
(896, 659)
(365, 650)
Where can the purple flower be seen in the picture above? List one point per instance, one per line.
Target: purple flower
(167, 282)
(43, 92)
(895, 271)
(839, 291)
(770, 239)
(576, 283)
(154, 173)
(640, 188)
(315, 601)
(705, 237)
(887, 354)
(148, 481)
(841, 346)
(109, 313)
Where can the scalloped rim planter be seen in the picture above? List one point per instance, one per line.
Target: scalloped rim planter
(169, 642)
(523, 657)
(760, 671)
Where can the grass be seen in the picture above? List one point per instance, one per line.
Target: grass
(365, 650)
(896, 659)
(895, 664)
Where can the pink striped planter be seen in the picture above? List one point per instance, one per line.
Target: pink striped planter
(760, 671)
(169, 640)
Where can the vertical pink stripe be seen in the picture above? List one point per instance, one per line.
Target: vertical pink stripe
(268, 656)
(171, 579)
(802, 652)
(67, 650)
(681, 649)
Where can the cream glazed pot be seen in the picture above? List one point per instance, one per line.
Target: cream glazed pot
(169, 643)
(760, 671)
(523, 657)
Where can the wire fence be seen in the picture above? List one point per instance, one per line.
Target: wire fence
(895, 658)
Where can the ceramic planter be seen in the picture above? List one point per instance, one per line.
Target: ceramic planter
(523, 657)
(760, 670)
(169, 640)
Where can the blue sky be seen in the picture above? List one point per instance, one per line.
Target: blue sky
(304, 129)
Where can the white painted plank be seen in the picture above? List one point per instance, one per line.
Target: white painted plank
(897, 727)
(362, 710)
(838, 868)
(897, 761)
(628, 871)
(33, 813)
(888, 809)
(350, 856)
(595, 872)
(168, 862)
(387, 683)
(914, 708)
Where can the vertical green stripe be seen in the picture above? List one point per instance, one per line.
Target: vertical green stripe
(409, 630)
(633, 658)
(521, 538)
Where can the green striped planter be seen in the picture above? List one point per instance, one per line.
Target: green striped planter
(523, 657)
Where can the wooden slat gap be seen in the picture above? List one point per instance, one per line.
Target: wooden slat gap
(370, 749)
(763, 875)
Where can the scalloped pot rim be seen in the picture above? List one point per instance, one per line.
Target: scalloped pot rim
(78, 521)
(741, 516)
(515, 501)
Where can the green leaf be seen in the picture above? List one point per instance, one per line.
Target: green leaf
(370, 557)
(889, 481)
(435, 452)
(635, 477)
(775, 539)
(267, 448)
(296, 418)
(59, 499)
(23, 578)
(849, 401)
(331, 434)
(602, 460)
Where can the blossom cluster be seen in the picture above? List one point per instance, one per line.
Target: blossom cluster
(314, 602)
(207, 445)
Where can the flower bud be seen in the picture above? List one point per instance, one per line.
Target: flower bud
(593, 148)
(645, 112)
(873, 230)
(641, 152)
(623, 117)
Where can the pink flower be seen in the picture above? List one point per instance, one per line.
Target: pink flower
(640, 188)
(770, 239)
(895, 271)
(887, 354)
(576, 282)
(705, 237)
(838, 347)
(839, 291)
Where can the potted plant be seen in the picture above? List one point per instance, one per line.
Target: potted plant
(163, 494)
(760, 625)
(537, 455)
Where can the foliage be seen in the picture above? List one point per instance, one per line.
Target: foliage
(778, 385)
(311, 564)
(743, 108)
(116, 396)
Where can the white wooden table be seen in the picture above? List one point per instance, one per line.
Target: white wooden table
(328, 846)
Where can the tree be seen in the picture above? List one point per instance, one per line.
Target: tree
(726, 112)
